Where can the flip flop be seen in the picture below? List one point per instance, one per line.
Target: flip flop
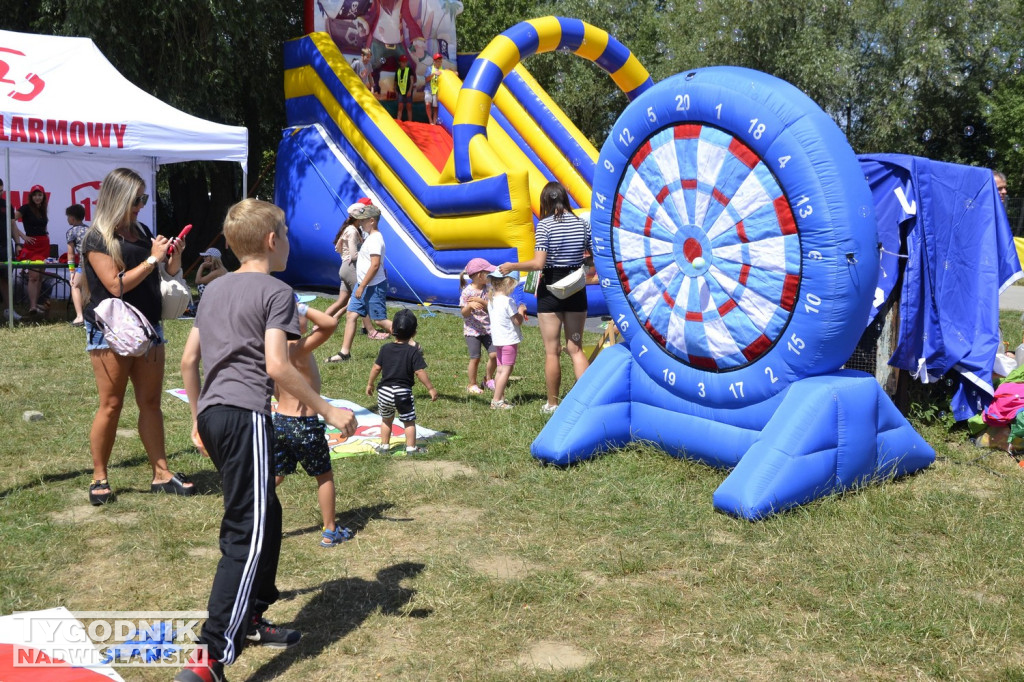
(96, 499)
(175, 485)
(379, 336)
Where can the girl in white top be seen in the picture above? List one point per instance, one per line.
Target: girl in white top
(506, 334)
(370, 295)
(346, 243)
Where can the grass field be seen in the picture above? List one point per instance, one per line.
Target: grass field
(475, 563)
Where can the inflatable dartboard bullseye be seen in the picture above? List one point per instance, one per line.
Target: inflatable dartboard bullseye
(734, 236)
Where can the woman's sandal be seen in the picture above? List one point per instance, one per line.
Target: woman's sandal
(474, 389)
(97, 498)
(332, 538)
(340, 357)
(379, 335)
(174, 486)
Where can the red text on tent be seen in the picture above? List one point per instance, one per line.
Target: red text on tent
(63, 133)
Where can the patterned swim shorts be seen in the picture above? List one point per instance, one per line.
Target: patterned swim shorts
(391, 399)
(300, 439)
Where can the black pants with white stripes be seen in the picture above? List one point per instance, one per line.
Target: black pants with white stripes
(240, 443)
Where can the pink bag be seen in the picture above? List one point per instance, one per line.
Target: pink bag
(1007, 401)
(125, 329)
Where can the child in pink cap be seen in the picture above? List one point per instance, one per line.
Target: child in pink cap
(476, 323)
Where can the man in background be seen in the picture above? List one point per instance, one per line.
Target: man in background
(1000, 179)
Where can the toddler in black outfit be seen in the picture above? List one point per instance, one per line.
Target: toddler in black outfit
(399, 364)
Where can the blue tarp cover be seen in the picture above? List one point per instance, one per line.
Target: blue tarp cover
(959, 257)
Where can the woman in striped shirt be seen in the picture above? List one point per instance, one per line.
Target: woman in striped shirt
(561, 239)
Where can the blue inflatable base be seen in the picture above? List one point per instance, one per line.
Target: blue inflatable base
(821, 435)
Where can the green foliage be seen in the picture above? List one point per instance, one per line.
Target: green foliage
(935, 78)
(481, 21)
(1007, 122)
(929, 403)
(215, 59)
(908, 76)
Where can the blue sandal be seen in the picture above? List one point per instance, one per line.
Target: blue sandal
(335, 537)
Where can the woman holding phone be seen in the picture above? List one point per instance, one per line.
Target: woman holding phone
(120, 258)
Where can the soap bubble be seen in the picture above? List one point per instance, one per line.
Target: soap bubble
(968, 131)
(927, 135)
(737, 35)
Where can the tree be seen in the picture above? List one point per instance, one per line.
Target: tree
(480, 22)
(940, 78)
(909, 76)
(216, 59)
(1006, 120)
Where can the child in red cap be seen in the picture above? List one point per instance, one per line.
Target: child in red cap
(430, 91)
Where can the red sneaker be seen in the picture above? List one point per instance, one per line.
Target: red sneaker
(201, 668)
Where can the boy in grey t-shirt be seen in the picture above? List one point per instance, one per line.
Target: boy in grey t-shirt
(241, 338)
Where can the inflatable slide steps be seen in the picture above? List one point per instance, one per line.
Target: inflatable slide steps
(433, 140)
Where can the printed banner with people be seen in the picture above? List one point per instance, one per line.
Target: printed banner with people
(65, 184)
(389, 30)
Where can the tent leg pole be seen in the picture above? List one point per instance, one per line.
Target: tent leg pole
(9, 274)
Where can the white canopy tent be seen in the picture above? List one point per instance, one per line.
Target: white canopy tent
(67, 117)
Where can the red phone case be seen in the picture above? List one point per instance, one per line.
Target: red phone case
(181, 235)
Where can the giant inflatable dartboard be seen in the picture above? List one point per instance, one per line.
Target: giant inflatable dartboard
(735, 241)
(733, 231)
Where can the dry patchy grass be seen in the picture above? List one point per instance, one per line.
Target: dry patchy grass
(475, 563)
